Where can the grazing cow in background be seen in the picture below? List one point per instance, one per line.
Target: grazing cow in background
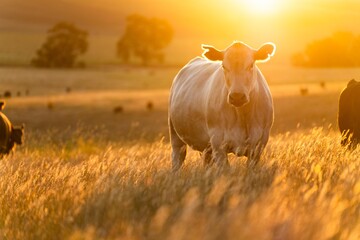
(9, 135)
(349, 114)
(221, 104)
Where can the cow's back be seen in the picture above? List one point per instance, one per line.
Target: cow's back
(188, 101)
(349, 114)
(5, 132)
(196, 76)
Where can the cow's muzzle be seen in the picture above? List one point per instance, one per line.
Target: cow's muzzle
(237, 99)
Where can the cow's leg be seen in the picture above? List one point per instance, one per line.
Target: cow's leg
(207, 156)
(219, 153)
(178, 153)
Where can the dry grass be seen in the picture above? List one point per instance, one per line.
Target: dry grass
(87, 173)
(306, 187)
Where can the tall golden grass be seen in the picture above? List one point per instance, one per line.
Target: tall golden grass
(305, 187)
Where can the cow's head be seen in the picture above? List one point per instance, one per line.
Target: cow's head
(17, 134)
(352, 82)
(238, 65)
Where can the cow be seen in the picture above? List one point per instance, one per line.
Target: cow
(9, 134)
(349, 114)
(220, 103)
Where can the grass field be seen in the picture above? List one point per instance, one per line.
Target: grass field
(96, 92)
(88, 173)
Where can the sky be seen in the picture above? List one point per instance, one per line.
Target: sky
(210, 15)
(291, 24)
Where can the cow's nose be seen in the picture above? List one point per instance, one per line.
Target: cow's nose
(238, 99)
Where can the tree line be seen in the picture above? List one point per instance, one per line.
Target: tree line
(144, 38)
(342, 49)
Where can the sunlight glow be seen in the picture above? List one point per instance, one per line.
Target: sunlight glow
(261, 6)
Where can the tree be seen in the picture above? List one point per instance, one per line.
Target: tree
(342, 49)
(64, 43)
(144, 38)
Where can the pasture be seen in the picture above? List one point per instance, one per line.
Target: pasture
(86, 172)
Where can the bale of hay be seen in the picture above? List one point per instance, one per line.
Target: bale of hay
(149, 106)
(118, 109)
(322, 84)
(7, 94)
(304, 91)
(50, 105)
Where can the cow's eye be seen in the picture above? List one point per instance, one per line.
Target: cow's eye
(250, 67)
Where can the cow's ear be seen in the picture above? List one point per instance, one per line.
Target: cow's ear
(212, 53)
(265, 52)
(2, 105)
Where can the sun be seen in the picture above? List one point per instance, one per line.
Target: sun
(262, 6)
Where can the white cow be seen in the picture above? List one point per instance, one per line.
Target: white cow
(221, 104)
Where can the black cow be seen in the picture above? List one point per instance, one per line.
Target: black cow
(9, 135)
(349, 114)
